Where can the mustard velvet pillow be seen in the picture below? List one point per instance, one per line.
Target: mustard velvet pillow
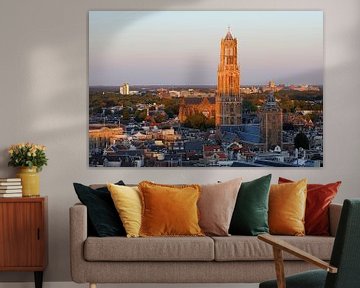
(287, 204)
(169, 210)
(127, 201)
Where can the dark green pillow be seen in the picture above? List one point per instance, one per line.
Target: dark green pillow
(103, 218)
(250, 216)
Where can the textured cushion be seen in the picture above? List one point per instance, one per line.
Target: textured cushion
(319, 197)
(149, 249)
(169, 210)
(310, 279)
(102, 215)
(287, 204)
(249, 248)
(250, 215)
(216, 206)
(128, 204)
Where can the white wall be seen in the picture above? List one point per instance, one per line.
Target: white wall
(43, 90)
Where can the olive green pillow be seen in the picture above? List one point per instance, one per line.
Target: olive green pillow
(250, 216)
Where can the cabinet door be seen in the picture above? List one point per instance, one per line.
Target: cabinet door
(21, 234)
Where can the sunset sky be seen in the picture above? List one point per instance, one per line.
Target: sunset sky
(182, 47)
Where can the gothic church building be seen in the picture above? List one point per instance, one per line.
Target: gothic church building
(226, 107)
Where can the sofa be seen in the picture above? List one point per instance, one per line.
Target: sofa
(233, 259)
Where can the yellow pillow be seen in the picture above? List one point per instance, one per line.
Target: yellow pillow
(127, 201)
(287, 204)
(169, 210)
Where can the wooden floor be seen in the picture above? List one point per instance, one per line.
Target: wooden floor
(74, 285)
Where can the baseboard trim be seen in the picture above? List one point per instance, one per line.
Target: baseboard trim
(74, 285)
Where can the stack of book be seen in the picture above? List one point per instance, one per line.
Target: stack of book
(10, 187)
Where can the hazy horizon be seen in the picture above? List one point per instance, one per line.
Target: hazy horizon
(195, 85)
(181, 48)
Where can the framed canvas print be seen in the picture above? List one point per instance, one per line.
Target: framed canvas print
(205, 88)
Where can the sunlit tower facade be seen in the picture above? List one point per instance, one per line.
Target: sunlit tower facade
(228, 105)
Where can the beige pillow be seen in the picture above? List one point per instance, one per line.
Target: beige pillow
(216, 206)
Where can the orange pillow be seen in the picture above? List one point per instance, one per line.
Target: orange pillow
(169, 210)
(287, 204)
(318, 200)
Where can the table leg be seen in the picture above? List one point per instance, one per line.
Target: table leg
(38, 279)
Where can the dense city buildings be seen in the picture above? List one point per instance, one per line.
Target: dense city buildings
(265, 124)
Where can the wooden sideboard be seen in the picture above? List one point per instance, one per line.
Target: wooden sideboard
(23, 235)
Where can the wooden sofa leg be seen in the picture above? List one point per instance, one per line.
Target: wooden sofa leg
(92, 285)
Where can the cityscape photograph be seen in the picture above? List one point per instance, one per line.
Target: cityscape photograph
(205, 89)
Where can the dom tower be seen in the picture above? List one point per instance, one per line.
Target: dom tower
(228, 100)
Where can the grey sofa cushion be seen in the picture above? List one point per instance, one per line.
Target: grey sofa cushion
(149, 249)
(249, 248)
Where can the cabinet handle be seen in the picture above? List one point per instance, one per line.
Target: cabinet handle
(38, 234)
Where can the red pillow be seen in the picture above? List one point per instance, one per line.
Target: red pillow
(319, 197)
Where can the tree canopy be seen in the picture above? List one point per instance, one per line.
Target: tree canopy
(301, 140)
(199, 121)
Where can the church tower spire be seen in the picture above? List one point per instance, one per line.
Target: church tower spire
(228, 101)
(271, 122)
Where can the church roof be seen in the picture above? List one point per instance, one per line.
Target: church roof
(198, 100)
(228, 36)
(248, 133)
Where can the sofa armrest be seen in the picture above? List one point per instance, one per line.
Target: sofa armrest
(78, 235)
(334, 217)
